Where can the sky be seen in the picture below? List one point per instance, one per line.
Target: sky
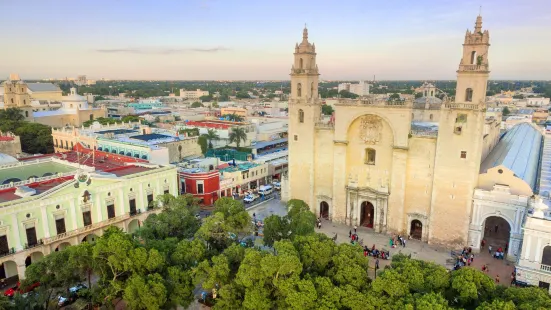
(254, 40)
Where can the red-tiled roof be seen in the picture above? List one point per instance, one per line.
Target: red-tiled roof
(100, 160)
(6, 138)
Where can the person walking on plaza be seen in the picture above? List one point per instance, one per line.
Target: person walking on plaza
(404, 242)
(490, 249)
(350, 234)
(355, 228)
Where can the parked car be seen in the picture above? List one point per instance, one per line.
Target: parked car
(265, 189)
(250, 198)
(277, 186)
(16, 289)
(71, 295)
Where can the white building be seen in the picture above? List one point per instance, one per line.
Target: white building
(360, 89)
(541, 101)
(193, 94)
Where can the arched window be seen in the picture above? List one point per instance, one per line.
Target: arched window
(24, 101)
(432, 93)
(546, 256)
(11, 100)
(301, 63)
(299, 90)
(312, 90)
(56, 144)
(91, 117)
(430, 117)
(469, 95)
(473, 57)
(26, 113)
(72, 145)
(22, 90)
(301, 116)
(370, 156)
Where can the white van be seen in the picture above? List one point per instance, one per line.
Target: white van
(265, 189)
(277, 185)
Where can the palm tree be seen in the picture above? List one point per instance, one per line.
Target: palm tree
(211, 135)
(237, 134)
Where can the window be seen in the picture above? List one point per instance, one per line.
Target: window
(22, 89)
(26, 113)
(299, 90)
(111, 211)
(199, 188)
(183, 187)
(463, 154)
(469, 95)
(11, 100)
(150, 201)
(430, 117)
(312, 90)
(4, 247)
(370, 156)
(132, 203)
(60, 226)
(56, 144)
(300, 63)
(87, 218)
(473, 57)
(166, 191)
(24, 101)
(31, 237)
(296, 137)
(301, 116)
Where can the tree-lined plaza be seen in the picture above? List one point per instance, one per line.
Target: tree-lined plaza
(176, 258)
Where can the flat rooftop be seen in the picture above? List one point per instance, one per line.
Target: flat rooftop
(152, 137)
(117, 131)
(32, 170)
(263, 144)
(239, 167)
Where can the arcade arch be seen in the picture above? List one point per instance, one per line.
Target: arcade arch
(497, 232)
(416, 230)
(133, 226)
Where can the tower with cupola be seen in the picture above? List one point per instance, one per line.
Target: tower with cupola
(459, 143)
(304, 112)
(16, 96)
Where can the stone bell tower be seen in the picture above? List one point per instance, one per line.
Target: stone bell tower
(304, 112)
(459, 144)
(17, 96)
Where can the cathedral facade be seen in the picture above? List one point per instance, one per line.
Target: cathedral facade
(396, 166)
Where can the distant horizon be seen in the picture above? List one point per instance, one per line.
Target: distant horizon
(252, 40)
(274, 80)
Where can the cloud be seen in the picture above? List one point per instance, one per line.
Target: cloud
(161, 51)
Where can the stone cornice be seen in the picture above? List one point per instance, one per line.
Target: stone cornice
(345, 142)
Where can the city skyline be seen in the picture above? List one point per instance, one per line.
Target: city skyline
(215, 40)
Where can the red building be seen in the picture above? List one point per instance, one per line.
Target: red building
(204, 185)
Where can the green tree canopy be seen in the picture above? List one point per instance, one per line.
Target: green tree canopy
(197, 104)
(327, 109)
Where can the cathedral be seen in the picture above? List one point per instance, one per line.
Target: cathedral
(398, 166)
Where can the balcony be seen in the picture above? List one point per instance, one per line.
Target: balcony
(30, 246)
(473, 68)
(545, 268)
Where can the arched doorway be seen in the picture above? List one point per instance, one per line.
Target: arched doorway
(324, 210)
(497, 232)
(416, 230)
(8, 269)
(367, 214)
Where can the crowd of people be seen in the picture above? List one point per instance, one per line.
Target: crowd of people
(466, 258)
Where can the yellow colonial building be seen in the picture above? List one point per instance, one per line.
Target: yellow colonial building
(396, 166)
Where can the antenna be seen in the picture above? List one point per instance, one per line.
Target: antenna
(480, 10)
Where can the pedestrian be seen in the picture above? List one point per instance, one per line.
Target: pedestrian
(497, 279)
(490, 249)
(376, 264)
(482, 243)
(319, 224)
(513, 280)
(254, 215)
(404, 243)
(506, 246)
(355, 228)
(350, 234)
(472, 257)
(495, 228)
